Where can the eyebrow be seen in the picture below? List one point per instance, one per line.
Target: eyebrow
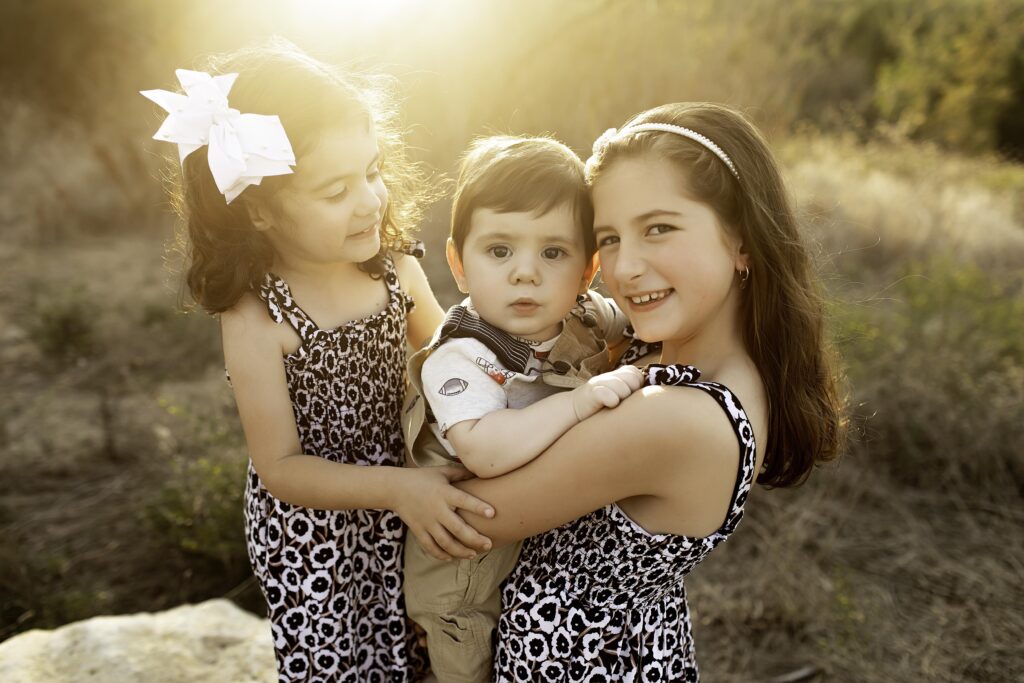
(511, 236)
(642, 218)
(324, 185)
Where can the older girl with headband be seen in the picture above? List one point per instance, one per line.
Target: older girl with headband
(316, 306)
(699, 245)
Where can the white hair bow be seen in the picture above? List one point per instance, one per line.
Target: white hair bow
(244, 148)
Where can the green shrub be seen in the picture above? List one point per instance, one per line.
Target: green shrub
(956, 70)
(198, 507)
(199, 510)
(938, 374)
(62, 324)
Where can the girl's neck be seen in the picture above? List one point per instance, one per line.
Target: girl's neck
(321, 274)
(713, 349)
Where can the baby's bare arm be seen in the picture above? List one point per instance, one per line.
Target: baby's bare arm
(505, 440)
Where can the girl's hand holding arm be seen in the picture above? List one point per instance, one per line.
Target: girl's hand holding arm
(253, 352)
(426, 501)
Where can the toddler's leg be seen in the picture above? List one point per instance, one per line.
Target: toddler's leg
(457, 603)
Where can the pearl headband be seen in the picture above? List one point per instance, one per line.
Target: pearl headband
(613, 134)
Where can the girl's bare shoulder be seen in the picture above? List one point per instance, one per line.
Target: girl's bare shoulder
(678, 427)
(248, 324)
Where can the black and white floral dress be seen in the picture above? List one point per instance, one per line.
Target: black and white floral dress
(600, 598)
(333, 578)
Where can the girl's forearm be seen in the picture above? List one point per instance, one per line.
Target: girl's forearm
(314, 482)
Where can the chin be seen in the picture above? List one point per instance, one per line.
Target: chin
(365, 252)
(649, 333)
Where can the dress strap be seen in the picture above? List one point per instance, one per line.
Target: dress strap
(687, 375)
(637, 348)
(282, 307)
(395, 293)
(409, 246)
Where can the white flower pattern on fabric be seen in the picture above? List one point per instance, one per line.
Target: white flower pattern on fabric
(332, 578)
(601, 598)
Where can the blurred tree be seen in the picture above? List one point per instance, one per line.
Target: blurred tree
(950, 71)
(70, 58)
(953, 79)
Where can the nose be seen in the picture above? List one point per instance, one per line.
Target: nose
(370, 199)
(524, 270)
(626, 264)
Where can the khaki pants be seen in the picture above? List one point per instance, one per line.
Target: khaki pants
(457, 603)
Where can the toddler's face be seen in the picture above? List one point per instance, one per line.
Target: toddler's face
(522, 271)
(332, 209)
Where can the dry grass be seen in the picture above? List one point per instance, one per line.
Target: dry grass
(97, 436)
(864, 580)
(873, 207)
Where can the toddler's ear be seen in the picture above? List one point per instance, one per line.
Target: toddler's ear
(589, 274)
(455, 264)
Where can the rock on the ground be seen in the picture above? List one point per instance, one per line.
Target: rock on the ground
(214, 642)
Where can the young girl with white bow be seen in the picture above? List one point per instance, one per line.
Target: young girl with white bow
(316, 309)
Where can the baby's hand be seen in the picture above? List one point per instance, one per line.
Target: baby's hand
(427, 502)
(606, 390)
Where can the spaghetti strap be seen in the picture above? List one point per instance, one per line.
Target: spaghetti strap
(687, 375)
(282, 307)
(602, 594)
(411, 248)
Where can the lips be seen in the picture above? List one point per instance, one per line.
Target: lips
(647, 297)
(524, 305)
(645, 301)
(366, 232)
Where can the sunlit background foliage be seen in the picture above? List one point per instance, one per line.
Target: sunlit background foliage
(900, 125)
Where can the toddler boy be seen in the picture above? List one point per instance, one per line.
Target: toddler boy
(511, 369)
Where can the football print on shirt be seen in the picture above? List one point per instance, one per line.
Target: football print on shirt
(453, 387)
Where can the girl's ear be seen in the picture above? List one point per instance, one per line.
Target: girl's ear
(742, 259)
(589, 274)
(455, 264)
(260, 215)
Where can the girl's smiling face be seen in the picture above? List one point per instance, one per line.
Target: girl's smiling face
(666, 258)
(331, 211)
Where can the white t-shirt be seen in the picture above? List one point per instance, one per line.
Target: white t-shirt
(464, 380)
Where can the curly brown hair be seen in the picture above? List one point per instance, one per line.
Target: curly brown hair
(782, 310)
(225, 255)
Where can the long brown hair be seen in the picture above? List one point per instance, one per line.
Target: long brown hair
(226, 256)
(781, 309)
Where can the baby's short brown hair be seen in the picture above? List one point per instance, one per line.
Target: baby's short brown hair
(512, 174)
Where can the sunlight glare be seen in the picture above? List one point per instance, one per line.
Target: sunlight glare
(363, 13)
